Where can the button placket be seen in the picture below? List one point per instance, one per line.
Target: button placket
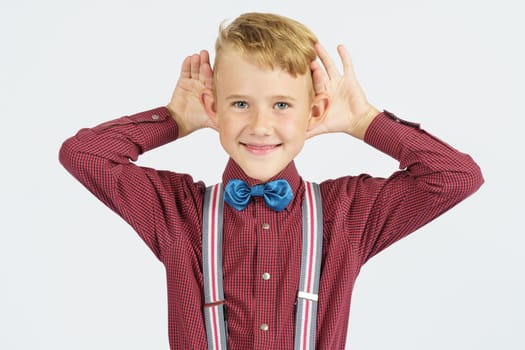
(266, 227)
(265, 286)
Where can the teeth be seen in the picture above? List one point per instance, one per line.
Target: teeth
(261, 147)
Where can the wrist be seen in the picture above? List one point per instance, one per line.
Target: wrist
(363, 122)
(181, 127)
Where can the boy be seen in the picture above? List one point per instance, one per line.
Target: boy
(265, 96)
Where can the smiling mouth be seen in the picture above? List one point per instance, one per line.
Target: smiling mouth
(260, 149)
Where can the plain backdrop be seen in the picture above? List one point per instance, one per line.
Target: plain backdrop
(73, 275)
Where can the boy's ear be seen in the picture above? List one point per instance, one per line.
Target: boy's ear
(319, 110)
(207, 98)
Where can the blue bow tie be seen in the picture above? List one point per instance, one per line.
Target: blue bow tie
(277, 194)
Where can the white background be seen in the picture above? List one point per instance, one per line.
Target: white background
(73, 275)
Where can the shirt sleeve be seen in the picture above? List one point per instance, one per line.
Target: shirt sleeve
(433, 178)
(151, 201)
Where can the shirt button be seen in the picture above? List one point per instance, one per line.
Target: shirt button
(155, 117)
(266, 276)
(264, 327)
(266, 226)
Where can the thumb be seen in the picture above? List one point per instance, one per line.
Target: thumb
(318, 130)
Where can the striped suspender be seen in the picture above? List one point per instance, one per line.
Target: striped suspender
(307, 296)
(212, 266)
(306, 314)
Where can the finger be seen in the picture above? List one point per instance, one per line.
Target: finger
(315, 65)
(327, 61)
(204, 57)
(205, 72)
(348, 68)
(195, 63)
(185, 69)
(318, 78)
(206, 75)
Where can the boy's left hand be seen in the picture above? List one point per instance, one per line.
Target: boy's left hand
(349, 110)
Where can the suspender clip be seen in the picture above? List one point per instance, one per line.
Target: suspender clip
(308, 296)
(215, 303)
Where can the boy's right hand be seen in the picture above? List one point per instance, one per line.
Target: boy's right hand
(185, 105)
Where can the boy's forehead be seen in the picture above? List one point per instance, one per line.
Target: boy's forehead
(237, 70)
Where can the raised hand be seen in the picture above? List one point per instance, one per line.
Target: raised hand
(185, 105)
(349, 110)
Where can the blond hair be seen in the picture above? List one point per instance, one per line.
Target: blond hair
(269, 41)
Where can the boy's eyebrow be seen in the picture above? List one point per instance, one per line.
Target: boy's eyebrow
(274, 97)
(284, 97)
(237, 97)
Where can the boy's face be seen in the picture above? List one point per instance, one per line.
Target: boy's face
(262, 115)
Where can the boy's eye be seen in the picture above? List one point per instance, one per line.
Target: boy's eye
(240, 104)
(281, 105)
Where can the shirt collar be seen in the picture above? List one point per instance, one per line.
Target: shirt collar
(289, 173)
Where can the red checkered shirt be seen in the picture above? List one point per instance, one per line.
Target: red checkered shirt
(362, 216)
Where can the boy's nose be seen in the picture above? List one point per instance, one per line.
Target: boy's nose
(261, 123)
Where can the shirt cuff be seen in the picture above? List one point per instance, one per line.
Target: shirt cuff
(150, 129)
(388, 133)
